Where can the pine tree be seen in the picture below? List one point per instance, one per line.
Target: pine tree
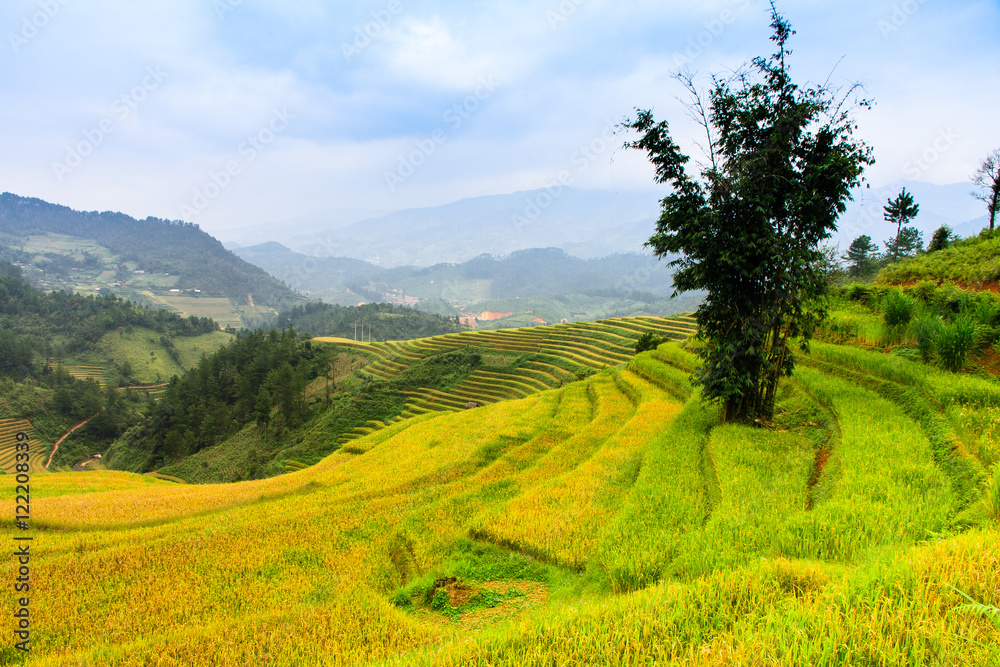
(899, 212)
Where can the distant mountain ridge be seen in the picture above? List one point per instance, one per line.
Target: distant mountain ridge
(583, 223)
(523, 273)
(154, 245)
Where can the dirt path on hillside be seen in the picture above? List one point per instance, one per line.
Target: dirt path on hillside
(145, 386)
(65, 435)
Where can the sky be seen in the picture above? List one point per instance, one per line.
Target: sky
(231, 113)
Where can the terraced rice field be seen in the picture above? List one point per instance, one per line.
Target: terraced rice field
(540, 358)
(39, 451)
(838, 537)
(84, 372)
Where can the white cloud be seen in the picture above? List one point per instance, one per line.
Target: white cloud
(559, 83)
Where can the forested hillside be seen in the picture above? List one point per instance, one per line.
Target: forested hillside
(151, 245)
(68, 358)
(373, 321)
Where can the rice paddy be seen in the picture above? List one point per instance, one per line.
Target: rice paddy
(605, 520)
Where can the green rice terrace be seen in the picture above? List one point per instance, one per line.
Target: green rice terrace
(533, 359)
(576, 518)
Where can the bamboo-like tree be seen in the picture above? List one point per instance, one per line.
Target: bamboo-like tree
(782, 162)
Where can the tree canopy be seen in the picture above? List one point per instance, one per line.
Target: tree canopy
(782, 162)
(900, 211)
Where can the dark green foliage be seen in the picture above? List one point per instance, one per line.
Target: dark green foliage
(899, 211)
(943, 237)
(79, 321)
(648, 341)
(36, 327)
(783, 160)
(907, 244)
(227, 390)
(861, 256)
(897, 309)
(926, 332)
(381, 321)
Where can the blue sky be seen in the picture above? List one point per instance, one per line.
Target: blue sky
(239, 112)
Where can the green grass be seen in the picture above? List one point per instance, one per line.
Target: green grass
(972, 262)
(149, 360)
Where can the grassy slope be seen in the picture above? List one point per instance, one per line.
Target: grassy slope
(148, 358)
(513, 364)
(833, 539)
(973, 262)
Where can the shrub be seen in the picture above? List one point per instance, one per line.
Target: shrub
(925, 290)
(986, 311)
(949, 298)
(897, 309)
(954, 341)
(857, 292)
(648, 341)
(926, 333)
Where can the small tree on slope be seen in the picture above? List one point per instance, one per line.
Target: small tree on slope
(899, 211)
(987, 177)
(783, 160)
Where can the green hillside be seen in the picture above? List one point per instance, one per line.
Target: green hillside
(161, 263)
(85, 365)
(374, 321)
(606, 521)
(542, 283)
(269, 403)
(973, 262)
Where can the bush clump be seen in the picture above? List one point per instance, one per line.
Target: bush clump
(954, 341)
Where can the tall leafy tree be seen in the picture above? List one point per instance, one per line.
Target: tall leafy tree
(899, 211)
(987, 177)
(782, 162)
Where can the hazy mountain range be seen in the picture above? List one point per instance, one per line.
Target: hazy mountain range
(584, 223)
